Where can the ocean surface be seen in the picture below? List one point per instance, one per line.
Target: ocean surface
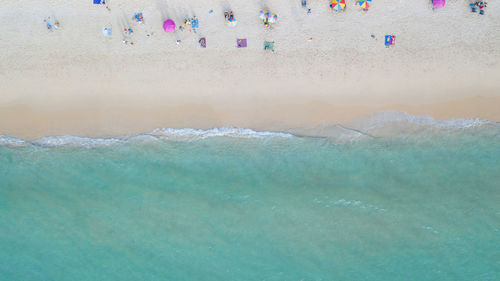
(390, 197)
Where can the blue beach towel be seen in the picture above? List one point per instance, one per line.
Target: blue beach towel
(388, 40)
(99, 2)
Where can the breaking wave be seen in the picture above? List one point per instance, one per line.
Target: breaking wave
(377, 125)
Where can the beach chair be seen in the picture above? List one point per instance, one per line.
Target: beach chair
(241, 43)
(390, 40)
(203, 42)
(269, 45)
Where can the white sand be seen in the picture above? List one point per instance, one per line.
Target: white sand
(76, 81)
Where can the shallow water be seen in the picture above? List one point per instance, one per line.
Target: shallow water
(266, 207)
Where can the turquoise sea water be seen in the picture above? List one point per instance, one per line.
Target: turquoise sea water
(423, 207)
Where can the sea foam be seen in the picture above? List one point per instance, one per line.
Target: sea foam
(376, 125)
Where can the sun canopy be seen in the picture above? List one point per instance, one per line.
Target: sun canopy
(264, 14)
(365, 4)
(338, 5)
(438, 4)
(231, 22)
(169, 25)
(271, 17)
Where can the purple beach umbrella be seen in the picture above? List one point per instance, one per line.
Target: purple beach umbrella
(169, 25)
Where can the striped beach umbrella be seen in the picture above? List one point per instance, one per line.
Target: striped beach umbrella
(273, 18)
(365, 4)
(264, 14)
(231, 22)
(338, 5)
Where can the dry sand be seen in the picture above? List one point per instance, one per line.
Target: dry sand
(76, 81)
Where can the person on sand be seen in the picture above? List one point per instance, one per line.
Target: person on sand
(48, 25)
(229, 15)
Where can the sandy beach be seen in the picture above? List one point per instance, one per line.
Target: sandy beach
(74, 80)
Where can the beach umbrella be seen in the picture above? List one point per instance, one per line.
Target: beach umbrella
(338, 5)
(273, 18)
(264, 14)
(169, 25)
(231, 22)
(365, 4)
(438, 4)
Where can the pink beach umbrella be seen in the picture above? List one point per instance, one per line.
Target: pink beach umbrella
(169, 25)
(438, 4)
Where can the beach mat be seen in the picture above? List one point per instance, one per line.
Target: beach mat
(241, 43)
(203, 42)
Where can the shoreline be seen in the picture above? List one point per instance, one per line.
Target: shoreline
(118, 122)
(379, 125)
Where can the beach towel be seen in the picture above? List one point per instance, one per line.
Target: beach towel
(100, 2)
(203, 42)
(389, 40)
(241, 43)
(269, 45)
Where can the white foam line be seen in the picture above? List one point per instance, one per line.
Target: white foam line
(187, 134)
(360, 127)
(381, 118)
